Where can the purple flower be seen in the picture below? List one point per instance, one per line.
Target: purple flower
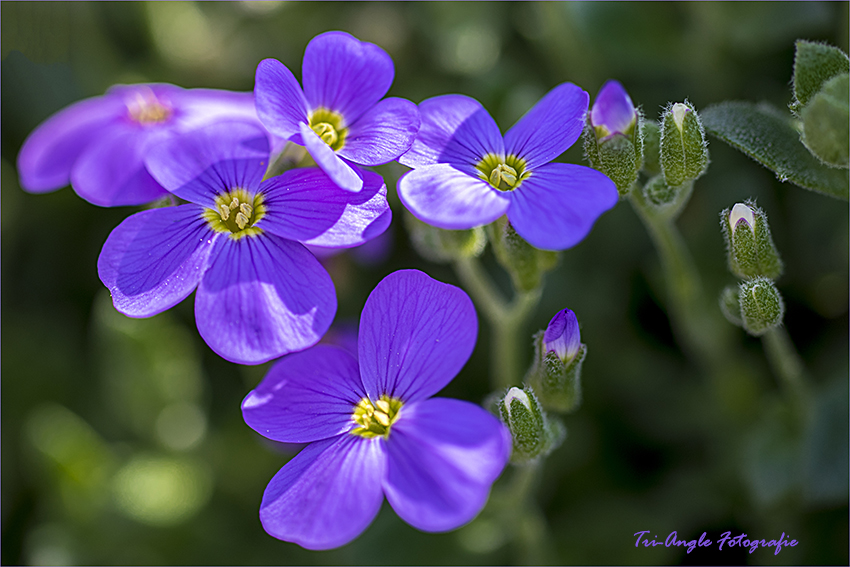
(613, 112)
(261, 294)
(562, 336)
(98, 145)
(372, 429)
(466, 174)
(339, 116)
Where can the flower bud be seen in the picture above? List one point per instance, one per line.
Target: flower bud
(525, 263)
(730, 306)
(684, 152)
(761, 305)
(651, 147)
(533, 434)
(555, 373)
(749, 246)
(440, 245)
(658, 193)
(611, 143)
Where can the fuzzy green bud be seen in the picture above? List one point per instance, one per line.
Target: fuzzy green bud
(534, 435)
(555, 373)
(749, 245)
(826, 122)
(439, 245)
(525, 263)
(761, 305)
(658, 193)
(730, 305)
(651, 147)
(684, 151)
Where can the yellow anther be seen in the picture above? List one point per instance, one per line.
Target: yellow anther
(326, 132)
(382, 418)
(383, 405)
(503, 173)
(234, 204)
(246, 209)
(225, 212)
(241, 220)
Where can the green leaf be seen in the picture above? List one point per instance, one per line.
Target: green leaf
(815, 64)
(762, 133)
(825, 122)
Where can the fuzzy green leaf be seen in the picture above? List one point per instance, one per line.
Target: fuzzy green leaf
(762, 133)
(814, 65)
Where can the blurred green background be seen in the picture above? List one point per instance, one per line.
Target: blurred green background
(123, 441)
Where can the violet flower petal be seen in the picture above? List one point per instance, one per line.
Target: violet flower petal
(340, 172)
(415, 335)
(199, 107)
(383, 133)
(556, 206)
(280, 102)
(49, 152)
(550, 127)
(343, 74)
(445, 197)
(305, 205)
(327, 494)
(563, 336)
(306, 396)
(263, 297)
(454, 129)
(111, 171)
(202, 164)
(442, 457)
(154, 259)
(613, 108)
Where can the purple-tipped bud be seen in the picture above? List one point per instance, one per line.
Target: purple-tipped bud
(562, 336)
(613, 112)
(741, 212)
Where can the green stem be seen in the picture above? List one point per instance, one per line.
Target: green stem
(786, 364)
(523, 518)
(506, 320)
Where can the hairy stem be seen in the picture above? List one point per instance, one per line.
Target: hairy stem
(786, 364)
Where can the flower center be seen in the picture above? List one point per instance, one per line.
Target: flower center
(375, 419)
(236, 212)
(329, 127)
(145, 108)
(503, 173)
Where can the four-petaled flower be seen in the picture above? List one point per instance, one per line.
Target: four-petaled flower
(261, 294)
(466, 174)
(98, 145)
(372, 429)
(339, 116)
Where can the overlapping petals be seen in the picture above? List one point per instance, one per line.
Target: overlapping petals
(439, 457)
(99, 145)
(552, 206)
(344, 81)
(261, 294)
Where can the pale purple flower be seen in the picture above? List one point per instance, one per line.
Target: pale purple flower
(339, 115)
(261, 294)
(466, 174)
(562, 336)
(99, 145)
(373, 428)
(613, 112)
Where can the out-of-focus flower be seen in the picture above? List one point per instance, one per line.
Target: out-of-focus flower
(466, 174)
(372, 425)
(99, 145)
(339, 116)
(261, 294)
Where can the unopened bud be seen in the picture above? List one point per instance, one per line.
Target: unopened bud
(651, 148)
(749, 245)
(525, 263)
(684, 151)
(563, 336)
(555, 373)
(761, 305)
(440, 245)
(533, 434)
(730, 305)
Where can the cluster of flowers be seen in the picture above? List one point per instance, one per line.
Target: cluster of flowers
(239, 236)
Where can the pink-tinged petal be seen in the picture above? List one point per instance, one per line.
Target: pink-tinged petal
(327, 494)
(445, 197)
(154, 259)
(49, 152)
(345, 75)
(202, 164)
(556, 206)
(305, 205)
(280, 102)
(415, 335)
(263, 297)
(306, 396)
(550, 127)
(382, 134)
(442, 457)
(454, 129)
(340, 172)
(111, 171)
